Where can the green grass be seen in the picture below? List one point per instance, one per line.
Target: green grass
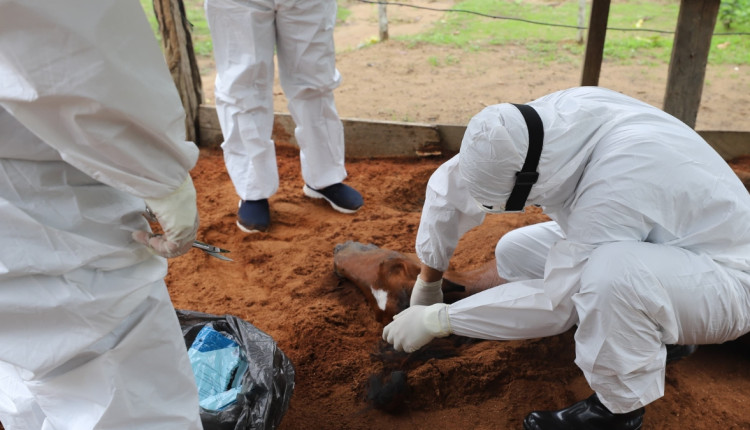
(342, 13)
(196, 17)
(544, 43)
(201, 36)
(148, 8)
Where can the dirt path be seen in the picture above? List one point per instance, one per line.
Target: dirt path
(393, 81)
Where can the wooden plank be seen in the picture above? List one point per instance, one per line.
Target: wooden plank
(729, 144)
(451, 137)
(209, 130)
(365, 139)
(390, 139)
(592, 63)
(687, 68)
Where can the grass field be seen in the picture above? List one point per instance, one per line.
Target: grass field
(626, 40)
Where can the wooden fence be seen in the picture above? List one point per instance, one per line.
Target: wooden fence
(695, 24)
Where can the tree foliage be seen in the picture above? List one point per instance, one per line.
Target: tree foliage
(733, 12)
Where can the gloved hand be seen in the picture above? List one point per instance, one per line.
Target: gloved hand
(414, 327)
(177, 214)
(426, 293)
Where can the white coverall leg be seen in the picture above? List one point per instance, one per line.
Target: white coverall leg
(90, 339)
(244, 36)
(515, 310)
(522, 253)
(687, 298)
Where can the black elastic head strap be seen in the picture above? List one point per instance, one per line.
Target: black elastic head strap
(528, 175)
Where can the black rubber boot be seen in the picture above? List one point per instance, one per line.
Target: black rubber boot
(589, 414)
(678, 352)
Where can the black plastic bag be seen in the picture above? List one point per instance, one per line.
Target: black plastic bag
(267, 385)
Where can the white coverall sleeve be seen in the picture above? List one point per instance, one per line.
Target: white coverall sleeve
(448, 213)
(103, 98)
(544, 307)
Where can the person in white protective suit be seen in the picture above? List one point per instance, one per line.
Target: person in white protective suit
(649, 244)
(92, 131)
(245, 35)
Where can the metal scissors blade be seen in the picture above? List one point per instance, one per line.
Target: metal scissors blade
(212, 250)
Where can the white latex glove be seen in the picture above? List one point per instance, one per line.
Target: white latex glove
(416, 326)
(426, 293)
(177, 214)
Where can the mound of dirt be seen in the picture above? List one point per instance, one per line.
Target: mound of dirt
(283, 282)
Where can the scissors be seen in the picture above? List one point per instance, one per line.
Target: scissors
(211, 250)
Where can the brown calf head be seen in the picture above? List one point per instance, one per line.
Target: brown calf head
(385, 277)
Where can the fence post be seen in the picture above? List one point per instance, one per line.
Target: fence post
(178, 52)
(592, 63)
(687, 68)
(382, 21)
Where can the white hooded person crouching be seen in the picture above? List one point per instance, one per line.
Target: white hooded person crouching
(648, 246)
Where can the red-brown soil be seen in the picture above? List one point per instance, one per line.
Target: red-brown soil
(283, 282)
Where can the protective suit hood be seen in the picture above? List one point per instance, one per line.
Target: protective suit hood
(496, 141)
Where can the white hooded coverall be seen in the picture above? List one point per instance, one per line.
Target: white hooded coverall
(88, 335)
(649, 243)
(245, 34)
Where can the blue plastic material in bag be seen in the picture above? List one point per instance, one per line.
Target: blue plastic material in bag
(266, 383)
(218, 367)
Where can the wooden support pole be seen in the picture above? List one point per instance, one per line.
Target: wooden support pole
(382, 22)
(178, 52)
(687, 68)
(592, 64)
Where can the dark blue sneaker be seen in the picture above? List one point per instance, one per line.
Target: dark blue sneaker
(342, 197)
(253, 216)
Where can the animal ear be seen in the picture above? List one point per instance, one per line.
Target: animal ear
(390, 267)
(398, 266)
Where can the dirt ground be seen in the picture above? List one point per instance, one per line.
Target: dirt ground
(283, 282)
(393, 81)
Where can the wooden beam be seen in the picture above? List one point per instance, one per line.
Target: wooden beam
(592, 63)
(687, 68)
(729, 144)
(178, 52)
(365, 139)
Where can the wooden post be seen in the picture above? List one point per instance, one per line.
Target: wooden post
(178, 52)
(687, 68)
(592, 64)
(383, 22)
